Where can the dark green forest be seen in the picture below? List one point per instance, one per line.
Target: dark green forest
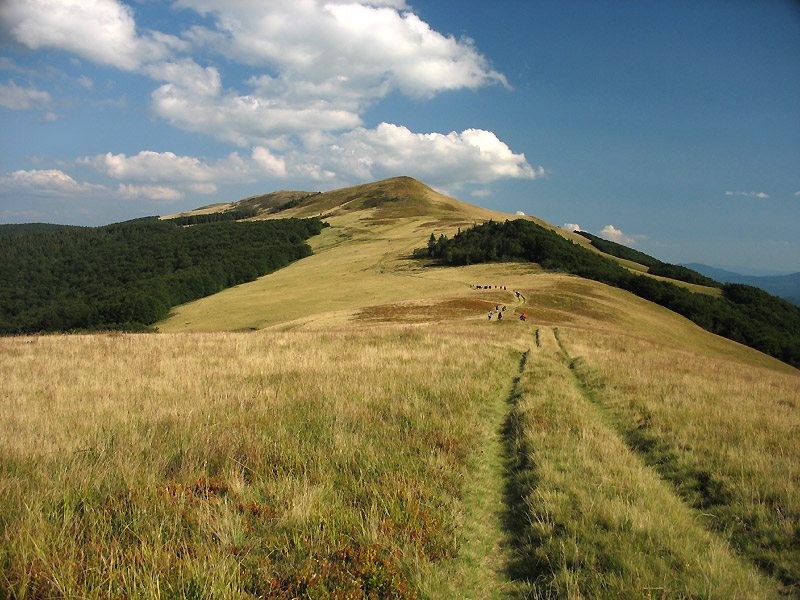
(6, 229)
(129, 275)
(745, 314)
(655, 266)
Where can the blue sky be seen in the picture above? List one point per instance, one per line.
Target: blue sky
(671, 126)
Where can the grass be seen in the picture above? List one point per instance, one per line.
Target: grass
(724, 437)
(423, 458)
(379, 438)
(239, 465)
(591, 520)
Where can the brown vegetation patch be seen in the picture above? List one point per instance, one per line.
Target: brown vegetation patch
(352, 572)
(457, 309)
(558, 306)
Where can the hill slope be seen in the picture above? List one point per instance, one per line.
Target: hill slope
(364, 258)
(380, 437)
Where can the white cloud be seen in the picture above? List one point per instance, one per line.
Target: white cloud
(520, 213)
(47, 182)
(203, 188)
(150, 192)
(22, 98)
(167, 167)
(248, 119)
(271, 164)
(86, 82)
(572, 227)
(447, 161)
(102, 31)
(326, 63)
(319, 65)
(613, 234)
(748, 194)
(356, 46)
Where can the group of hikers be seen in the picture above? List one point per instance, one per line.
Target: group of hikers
(497, 309)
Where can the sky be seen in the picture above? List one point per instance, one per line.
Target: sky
(671, 126)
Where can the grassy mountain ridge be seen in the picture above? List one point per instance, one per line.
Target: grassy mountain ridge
(743, 313)
(353, 425)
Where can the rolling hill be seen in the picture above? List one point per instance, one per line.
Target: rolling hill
(354, 425)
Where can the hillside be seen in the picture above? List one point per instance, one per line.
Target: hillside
(365, 257)
(353, 425)
(129, 275)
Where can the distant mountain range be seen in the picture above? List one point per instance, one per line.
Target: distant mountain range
(784, 286)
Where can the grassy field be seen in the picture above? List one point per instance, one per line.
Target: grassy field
(353, 426)
(242, 464)
(419, 453)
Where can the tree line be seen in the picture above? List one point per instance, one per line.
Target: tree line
(214, 217)
(655, 266)
(744, 313)
(129, 275)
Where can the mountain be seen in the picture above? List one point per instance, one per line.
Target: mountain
(354, 425)
(364, 258)
(783, 286)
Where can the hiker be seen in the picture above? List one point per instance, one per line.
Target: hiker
(523, 317)
(499, 316)
(504, 308)
(490, 315)
(497, 308)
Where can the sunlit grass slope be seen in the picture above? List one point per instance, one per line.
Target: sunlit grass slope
(364, 258)
(418, 451)
(354, 426)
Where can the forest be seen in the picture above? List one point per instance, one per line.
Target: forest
(655, 266)
(744, 313)
(129, 275)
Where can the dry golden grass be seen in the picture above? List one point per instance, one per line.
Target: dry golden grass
(724, 435)
(591, 520)
(232, 464)
(379, 433)
(370, 445)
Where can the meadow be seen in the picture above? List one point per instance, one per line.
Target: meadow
(353, 426)
(399, 457)
(240, 465)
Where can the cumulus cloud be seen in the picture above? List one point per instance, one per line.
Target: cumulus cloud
(572, 227)
(22, 98)
(748, 194)
(368, 48)
(203, 188)
(269, 163)
(313, 67)
(150, 192)
(47, 182)
(613, 234)
(102, 31)
(520, 213)
(448, 161)
(167, 167)
(246, 119)
(327, 62)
